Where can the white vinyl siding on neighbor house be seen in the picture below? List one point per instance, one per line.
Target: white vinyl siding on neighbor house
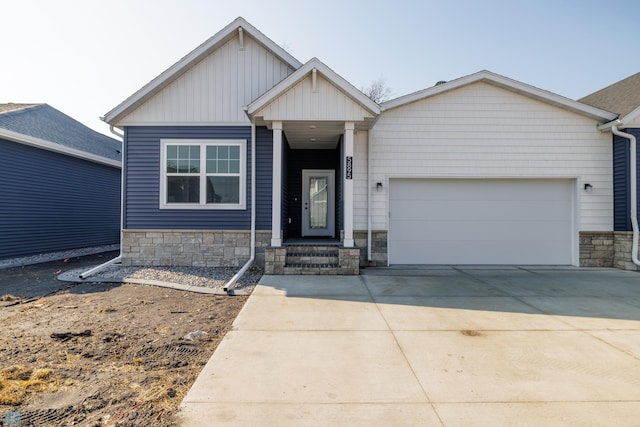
(484, 131)
(202, 174)
(216, 89)
(481, 221)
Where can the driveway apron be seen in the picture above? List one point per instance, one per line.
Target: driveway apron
(438, 346)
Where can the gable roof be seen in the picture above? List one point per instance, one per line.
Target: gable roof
(45, 127)
(300, 74)
(192, 58)
(622, 98)
(505, 83)
(5, 108)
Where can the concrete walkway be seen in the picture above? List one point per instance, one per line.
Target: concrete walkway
(432, 347)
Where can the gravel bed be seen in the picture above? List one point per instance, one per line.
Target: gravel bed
(209, 277)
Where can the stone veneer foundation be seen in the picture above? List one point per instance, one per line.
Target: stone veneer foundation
(596, 248)
(607, 249)
(378, 248)
(215, 248)
(222, 248)
(622, 251)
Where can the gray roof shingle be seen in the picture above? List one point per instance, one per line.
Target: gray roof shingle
(45, 122)
(621, 97)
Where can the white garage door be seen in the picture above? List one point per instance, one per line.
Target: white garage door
(480, 221)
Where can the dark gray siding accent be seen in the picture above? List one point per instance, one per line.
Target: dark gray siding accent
(142, 181)
(51, 202)
(297, 160)
(621, 187)
(340, 188)
(264, 177)
(621, 199)
(285, 188)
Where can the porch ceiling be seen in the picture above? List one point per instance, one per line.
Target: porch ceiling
(307, 135)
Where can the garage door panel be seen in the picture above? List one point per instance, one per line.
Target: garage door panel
(477, 252)
(480, 230)
(498, 189)
(480, 221)
(408, 210)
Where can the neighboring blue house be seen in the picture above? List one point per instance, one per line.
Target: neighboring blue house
(59, 183)
(239, 149)
(623, 99)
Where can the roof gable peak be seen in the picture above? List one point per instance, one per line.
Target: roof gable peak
(194, 57)
(311, 66)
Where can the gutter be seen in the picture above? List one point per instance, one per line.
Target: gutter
(117, 259)
(633, 188)
(228, 286)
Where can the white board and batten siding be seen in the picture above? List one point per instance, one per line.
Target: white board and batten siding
(214, 91)
(303, 102)
(482, 131)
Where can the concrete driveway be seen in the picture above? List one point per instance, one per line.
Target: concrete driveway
(449, 346)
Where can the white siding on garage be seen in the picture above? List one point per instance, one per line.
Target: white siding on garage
(480, 221)
(484, 131)
(360, 187)
(216, 90)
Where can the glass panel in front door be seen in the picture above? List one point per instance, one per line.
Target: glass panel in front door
(318, 202)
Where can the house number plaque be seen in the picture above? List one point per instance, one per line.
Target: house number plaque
(349, 167)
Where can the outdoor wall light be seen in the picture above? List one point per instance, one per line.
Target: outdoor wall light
(588, 188)
(379, 186)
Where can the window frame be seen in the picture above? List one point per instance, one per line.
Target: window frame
(203, 144)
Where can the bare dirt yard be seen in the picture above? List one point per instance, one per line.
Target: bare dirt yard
(101, 354)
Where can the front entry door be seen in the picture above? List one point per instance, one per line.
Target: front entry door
(318, 203)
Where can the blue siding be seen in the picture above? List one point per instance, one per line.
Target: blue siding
(142, 180)
(621, 187)
(52, 202)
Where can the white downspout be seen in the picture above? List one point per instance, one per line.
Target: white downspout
(632, 190)
(369, 184)
(101, 267)
(238, 275)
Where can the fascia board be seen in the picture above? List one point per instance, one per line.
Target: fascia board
(631, 116)
(52, 146)
(192, 58)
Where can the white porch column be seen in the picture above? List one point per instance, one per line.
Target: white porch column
(276, 196)
(348, 185)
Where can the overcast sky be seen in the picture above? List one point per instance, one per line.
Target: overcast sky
(84, 57)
